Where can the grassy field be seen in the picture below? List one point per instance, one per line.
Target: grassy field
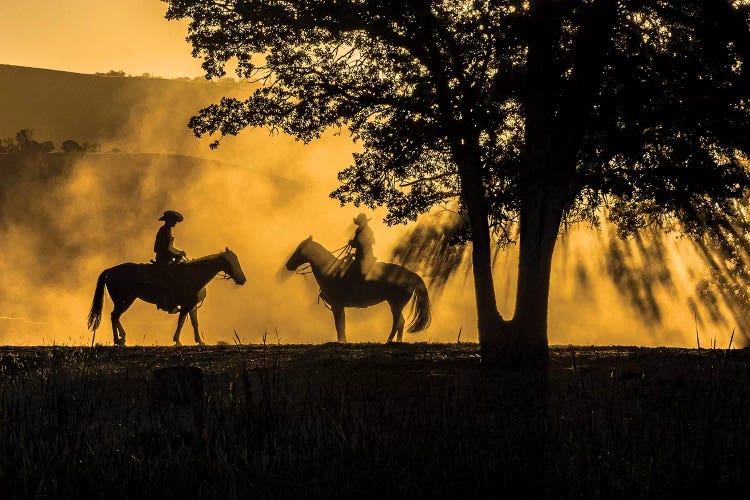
(371, 421)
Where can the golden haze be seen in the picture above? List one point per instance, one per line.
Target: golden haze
(260, 195)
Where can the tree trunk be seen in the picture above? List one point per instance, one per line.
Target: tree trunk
(523, 340)
(541, 214)
(489, 320)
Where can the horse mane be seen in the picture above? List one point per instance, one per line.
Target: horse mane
(207, 257)
(320, 247)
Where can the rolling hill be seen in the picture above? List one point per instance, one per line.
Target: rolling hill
(59, 105)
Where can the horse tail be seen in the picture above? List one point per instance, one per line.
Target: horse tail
(421, 311)
(95, 315)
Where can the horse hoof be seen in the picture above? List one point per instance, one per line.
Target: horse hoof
(177, 344)
(200, 342)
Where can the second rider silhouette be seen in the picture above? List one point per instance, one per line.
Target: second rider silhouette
(362, 244)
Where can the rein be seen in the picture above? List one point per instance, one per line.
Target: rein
(342, 251)
(307, 268)
(304, 270)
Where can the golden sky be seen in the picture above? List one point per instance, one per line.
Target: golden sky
(88, 36)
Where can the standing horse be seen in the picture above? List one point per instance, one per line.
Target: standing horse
(385, 282)
(188, 282)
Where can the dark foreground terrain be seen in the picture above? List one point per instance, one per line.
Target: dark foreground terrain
(371, 421)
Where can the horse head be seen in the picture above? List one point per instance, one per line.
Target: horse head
(234, 270)
(298, 257)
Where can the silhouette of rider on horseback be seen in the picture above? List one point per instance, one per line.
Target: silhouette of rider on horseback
(362, 244)
(166, 253)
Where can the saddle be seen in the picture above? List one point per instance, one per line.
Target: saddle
(155, 274)
(163, 276)
(350, 269)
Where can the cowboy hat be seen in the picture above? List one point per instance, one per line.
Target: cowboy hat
(171, 215)
(361, 219)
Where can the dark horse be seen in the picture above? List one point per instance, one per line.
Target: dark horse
(188, 290)
(385, 282)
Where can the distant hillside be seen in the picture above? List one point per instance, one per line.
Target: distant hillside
(133, 113)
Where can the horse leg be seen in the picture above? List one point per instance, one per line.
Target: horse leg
(180, 322)
(115, 330)
(118, 332)
(194, 322)
(340, 319)
(398, 321)
(401, 323)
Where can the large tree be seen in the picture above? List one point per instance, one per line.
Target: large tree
(523, 112)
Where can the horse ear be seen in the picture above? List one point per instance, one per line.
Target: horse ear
(309, 238)
(227, 249)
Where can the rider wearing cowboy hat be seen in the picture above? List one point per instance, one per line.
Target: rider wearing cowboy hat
(166, 253)
(362, 244)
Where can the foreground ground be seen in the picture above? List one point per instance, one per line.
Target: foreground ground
(371, 420)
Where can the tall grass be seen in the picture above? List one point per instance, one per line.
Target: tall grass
(373, 422)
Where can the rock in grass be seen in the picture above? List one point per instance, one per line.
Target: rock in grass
(179, 385)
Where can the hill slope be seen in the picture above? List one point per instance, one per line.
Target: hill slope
(59, 105)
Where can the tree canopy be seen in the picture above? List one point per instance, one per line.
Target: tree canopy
(521, 112)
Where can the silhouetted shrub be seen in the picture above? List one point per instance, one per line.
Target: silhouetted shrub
(24, 143)
(112, 72)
